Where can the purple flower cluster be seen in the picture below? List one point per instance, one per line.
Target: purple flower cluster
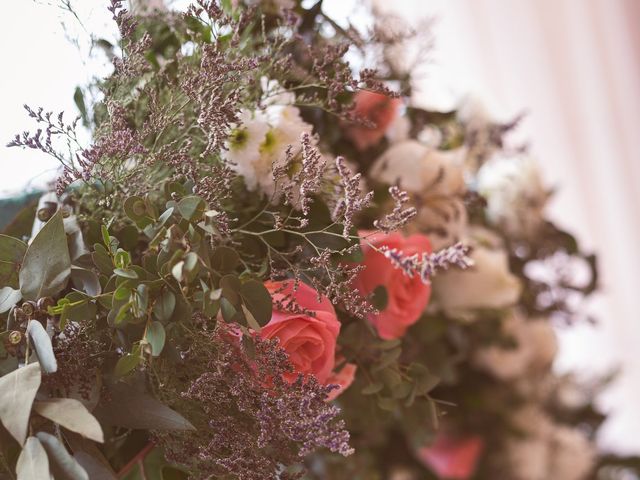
(427, 264)
(252, 423)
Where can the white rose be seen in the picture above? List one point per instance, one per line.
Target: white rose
(515, 195)
(534, 350)
(573, 455)
(544, 450)
(435, 180)
(488, 284)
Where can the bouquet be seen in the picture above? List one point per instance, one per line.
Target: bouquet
(271, 264)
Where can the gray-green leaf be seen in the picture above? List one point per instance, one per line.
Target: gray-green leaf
(156, 337)
(33, 463)
(72, 415)
(42, 346)
(258, 301)
(130, 408)
(63, 465)
(8, 298)
(164, 306)
(46, 266)
(17, 391)
(12, 252)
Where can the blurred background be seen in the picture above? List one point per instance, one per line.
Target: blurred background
(572, 65)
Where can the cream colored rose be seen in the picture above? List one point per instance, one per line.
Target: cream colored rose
(487, 285)
(533, 353)
(515, 194)
(544, 450)
(435, 180)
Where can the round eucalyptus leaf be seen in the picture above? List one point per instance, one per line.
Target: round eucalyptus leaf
(156, 337)
(191, 207)
(225, 260)
(257, 300)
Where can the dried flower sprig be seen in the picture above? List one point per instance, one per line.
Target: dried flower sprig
(426, 265)
(353, 200)
(253, 421)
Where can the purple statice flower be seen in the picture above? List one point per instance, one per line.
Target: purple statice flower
(426, 265)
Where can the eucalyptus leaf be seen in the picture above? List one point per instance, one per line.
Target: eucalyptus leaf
(46, 265)
(63, 465)
(86, 281)
(72, 415)
(156, 337)
(17, 391)
(12, 252)
(164, 306)
(95, 469)
(127, 362)
(231, 286)
(102, 260)
(191, 207)
(130, 408)
(258, 301)
(126, 273)
(90, 457)
(8, 298)
(42, 345)
(33, 463)
(251, 321)
(224, 260)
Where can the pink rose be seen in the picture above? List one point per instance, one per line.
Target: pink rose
(406, 297)
(310, 340)
(377, 109)
(343, 378)
(452, 458)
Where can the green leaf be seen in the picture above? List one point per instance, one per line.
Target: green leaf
(227, 309)
(164, 306)
(94, 468)
(156, 337)
(46, 266)
(129, 408)
(258, 301)
(231, 286)
(224, 260)
(12, 252)
(126, 273)
(177, 270)
(8, 298)
(42, 346)
(136, 209)
(86, 281)
(102, 260)
(388, 358)
(388, 404)
(372, 388)
(128, 362)
(33, 463)
(151, 464)
(17, 391)
(63, 465)
(72, 415)
(380, 298)
(191, 207)
(78, 99)
(251, 321)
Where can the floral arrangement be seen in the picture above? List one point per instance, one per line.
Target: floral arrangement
(272, 264)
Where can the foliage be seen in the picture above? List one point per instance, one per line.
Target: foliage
(134, 315)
